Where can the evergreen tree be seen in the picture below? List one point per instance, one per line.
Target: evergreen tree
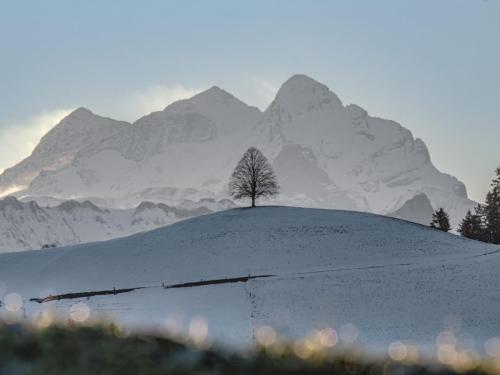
(472, 225)
(491, 211)
(441, 220)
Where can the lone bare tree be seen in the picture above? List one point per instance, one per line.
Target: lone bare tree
(253, 177)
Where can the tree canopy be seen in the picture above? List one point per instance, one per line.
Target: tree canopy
(253, 177)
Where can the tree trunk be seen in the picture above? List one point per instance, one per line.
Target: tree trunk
(253, 202)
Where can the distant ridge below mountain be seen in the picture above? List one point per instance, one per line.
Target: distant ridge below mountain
(325, 154)
(27, 226)
(417, 209)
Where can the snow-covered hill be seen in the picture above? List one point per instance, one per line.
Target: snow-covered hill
(25, 226)
(325, 154)
(383, 278)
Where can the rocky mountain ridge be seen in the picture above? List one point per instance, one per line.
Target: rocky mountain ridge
(28, 226)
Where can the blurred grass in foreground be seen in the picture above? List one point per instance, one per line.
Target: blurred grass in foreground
(103, 349)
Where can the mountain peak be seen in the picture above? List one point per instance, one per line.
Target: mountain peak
(81, 112)
(85, 117)
(300, 93)
(216, 90)
(211, 102)
(216, 93)
(302, 79)
(79, 115)
(303, 83)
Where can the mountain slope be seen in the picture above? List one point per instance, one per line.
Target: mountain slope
(59, 147)
(394, 280)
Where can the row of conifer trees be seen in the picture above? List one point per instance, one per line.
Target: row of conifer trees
(483, 224)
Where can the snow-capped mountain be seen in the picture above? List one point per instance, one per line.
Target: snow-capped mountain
(325, 154)
(376, 163)
(26, 225)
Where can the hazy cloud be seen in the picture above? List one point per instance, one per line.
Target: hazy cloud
(267, 90)
(18, 140)
(260, 92)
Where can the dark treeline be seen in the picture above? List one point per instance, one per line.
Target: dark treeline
(484, 223)
(441, 220)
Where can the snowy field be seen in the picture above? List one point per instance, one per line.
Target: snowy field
(374, 279)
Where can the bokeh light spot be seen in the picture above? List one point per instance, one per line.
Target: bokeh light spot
(198, 330)
(79, 312)
(398, 351)
(349, 333)
(266, 336)
(13, 302)
(492, 347)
